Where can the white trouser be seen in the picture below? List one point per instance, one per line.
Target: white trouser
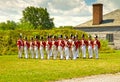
(60, 50)
(73, 52)
(32, 52)
(42, 52)
(90, 51)
(67, 53)
(54, 50)
(96, 51)
(36, 51)
(48, 52)
(26, 51)
(20, 51)
(83, 49)
(77, 52)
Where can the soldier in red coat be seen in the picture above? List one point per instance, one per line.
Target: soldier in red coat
(77, 43)
(66, 48)
(55, 47)
(83, 44)
(90, 45)
(96, 46)
(61, 45)
(49, 47)
(20, 45)
(36, 46)
(26, 47)
(42, 47)
(32, 47)
(73, 48)
(70, 44)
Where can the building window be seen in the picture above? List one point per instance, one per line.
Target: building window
(109, 37)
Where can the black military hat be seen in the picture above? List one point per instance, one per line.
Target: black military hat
(76, 36)
(31, 38)
(25, 38)
(71, 35)
(60, 36)
(96, 36)
(83, 36)
(48, 36)
(66, 37)
(36, 37)
(54, 37)
(41, 38)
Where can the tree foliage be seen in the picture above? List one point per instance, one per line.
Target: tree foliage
(9, 25)
(38, 17)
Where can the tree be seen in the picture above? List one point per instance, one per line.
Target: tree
(25, 26)
(38, 17)
(9, 25)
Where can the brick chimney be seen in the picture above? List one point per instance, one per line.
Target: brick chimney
(97, 13)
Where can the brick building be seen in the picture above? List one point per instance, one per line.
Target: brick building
(105, 26)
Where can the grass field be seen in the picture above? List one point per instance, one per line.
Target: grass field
(13, 69)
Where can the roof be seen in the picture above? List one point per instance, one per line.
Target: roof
(110, 19)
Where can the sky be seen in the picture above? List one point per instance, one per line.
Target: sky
(64, 12)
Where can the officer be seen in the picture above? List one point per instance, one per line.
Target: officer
(20, 45)
(96, 46)
(90, 45)
(26, 47)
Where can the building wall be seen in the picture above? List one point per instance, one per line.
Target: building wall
(102, 32)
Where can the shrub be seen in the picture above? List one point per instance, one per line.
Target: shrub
(105, 47)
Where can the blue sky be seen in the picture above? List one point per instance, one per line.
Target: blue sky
(90, 2)
(64, 12)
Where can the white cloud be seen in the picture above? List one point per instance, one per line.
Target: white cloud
(70, 20)
(109, 5)
(65, 12)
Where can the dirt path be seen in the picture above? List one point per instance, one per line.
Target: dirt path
(96, 78)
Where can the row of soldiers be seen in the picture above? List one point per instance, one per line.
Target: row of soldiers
(64, 48)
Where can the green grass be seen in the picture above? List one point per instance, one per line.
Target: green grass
(13, 69)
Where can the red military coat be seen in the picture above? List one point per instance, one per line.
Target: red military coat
(44, 44)
(49, 43)
(77, 43)
(32, 43)
(83, 42)
(90, 43)
(37, 43)
(26, 43)
(56, 43)
(96, 42)
(20, 43)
